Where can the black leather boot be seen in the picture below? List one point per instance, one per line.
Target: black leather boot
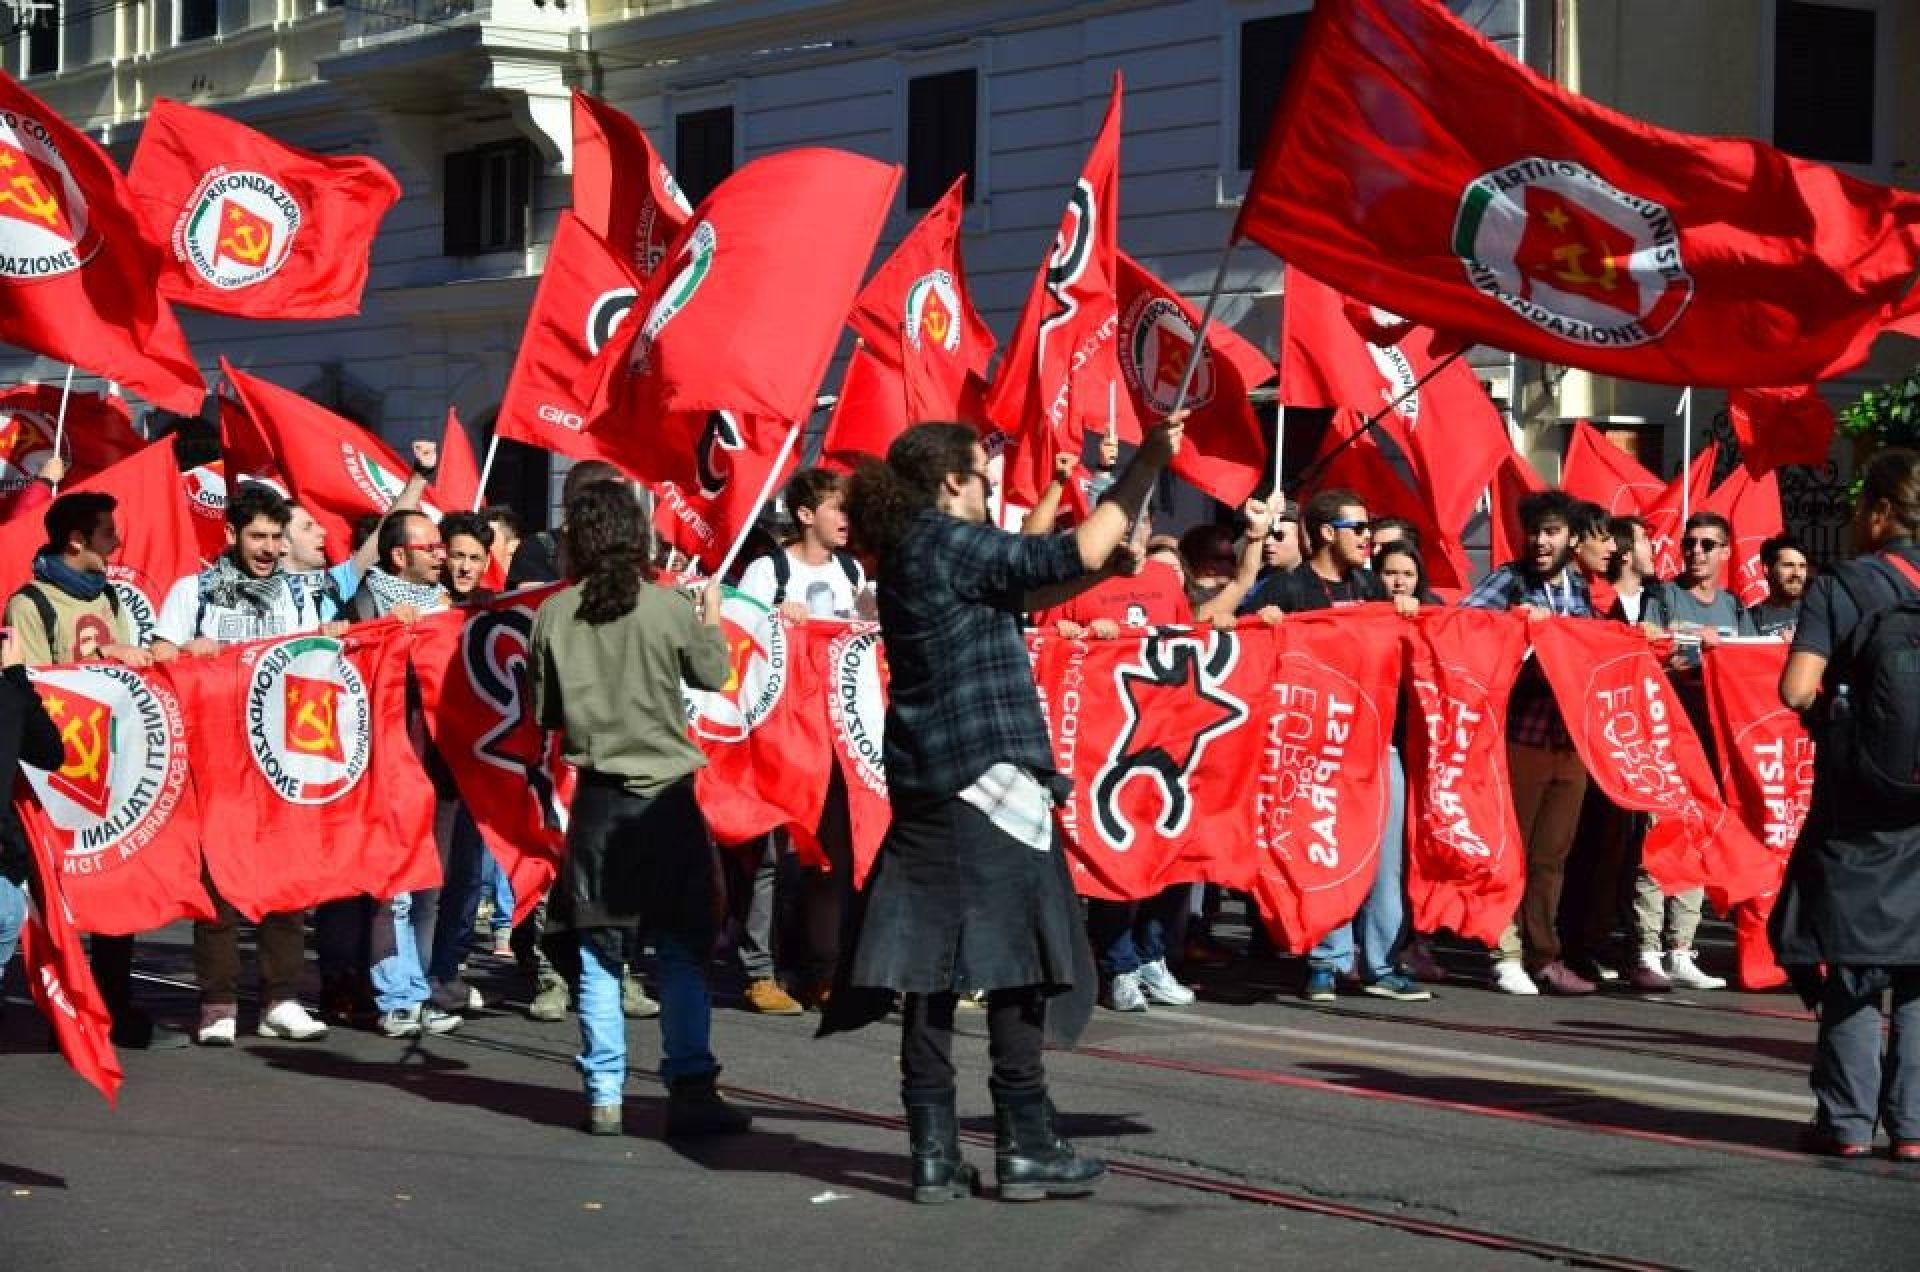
(694, 1108)
(1030, 1160)
(940, 1173)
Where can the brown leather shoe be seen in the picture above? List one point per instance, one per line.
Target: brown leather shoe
(767, 998)
(1557, 978)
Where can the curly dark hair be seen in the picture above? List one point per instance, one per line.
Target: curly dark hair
(606, 549)
(472, 524)
(883, 499)
(256, 500)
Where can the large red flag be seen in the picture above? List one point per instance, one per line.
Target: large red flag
(1513, 481)
(205, 489)
(745, 314)
(1060, 371)
(118, 820)
(1226, 452)
(1456, 437)
(1781, 426)
(1643, 754)
(915, 315)
(1466, 861)
(79, 282)
(255, 227)
(98, 433)
(1598, 471)
(158, 546)
(301, 744)
(870, 413)
(1414, 165)
(622, 190)
(853, 674)
(1666, 515)
(585, 294)
(739, 464)
(1320, 796)
(337, 470)
(1752, 508)
(1361, 465)
(474, 692)
(62, 983)
(456, 485)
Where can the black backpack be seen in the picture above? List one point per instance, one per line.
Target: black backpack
(1880, 721)
(783, 571)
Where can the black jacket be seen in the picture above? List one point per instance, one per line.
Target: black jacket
(27, 734)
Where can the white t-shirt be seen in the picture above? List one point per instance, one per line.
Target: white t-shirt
(176, 623)
(825, 590)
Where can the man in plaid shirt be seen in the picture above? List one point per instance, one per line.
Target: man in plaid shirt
(1549, 781)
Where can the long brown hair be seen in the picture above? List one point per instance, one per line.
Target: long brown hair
(606, 549)
(883, 499)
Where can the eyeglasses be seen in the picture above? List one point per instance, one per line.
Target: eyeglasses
(431, 549)
(1694, 544)
(1358, 527)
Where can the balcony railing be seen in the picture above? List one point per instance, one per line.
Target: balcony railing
(371, 19)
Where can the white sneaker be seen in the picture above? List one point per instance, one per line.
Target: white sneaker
(1124, 993)
(1511, 978)
(288, 1019)
(220, 1031)
(1161, 986)
(1686, 974)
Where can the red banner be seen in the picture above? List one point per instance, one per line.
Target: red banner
(62, 983)
(1466, 860)
(853, 669)
(98, 434)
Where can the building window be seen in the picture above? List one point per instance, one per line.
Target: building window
(702, 150)
(1823, 81)
(942, 128)
(1267, 50)
(43, 40)
(199, 19)
(486, 197)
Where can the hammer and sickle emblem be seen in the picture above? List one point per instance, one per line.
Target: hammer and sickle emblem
(247, 243)
(313, 725)
(739, 657)
(86, 743)
(937, 320)
(1572, 258)
(25, 192)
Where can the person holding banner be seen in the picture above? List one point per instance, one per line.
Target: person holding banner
(1847, 923)
(27, 736)
(971, 889)
(1784, 558)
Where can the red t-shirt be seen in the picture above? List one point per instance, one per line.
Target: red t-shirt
(1155, 597)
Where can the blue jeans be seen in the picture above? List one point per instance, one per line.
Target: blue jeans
(686, 1018)
(497, 887)
(1127, 934)
(459, 898)
(402, 946)
(13, 915)
(1383, 916)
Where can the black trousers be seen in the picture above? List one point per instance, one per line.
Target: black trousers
(1016, 1027)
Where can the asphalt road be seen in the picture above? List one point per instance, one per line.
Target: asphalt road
(1475, 1131)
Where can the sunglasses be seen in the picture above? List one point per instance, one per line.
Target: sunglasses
(1358, 527)
(1701, 545)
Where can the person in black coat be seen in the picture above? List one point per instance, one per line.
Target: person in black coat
(27, 735)
(1851, 899)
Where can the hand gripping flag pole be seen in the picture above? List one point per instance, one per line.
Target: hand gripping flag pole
(1193, 361)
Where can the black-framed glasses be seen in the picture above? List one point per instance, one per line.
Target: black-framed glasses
(1694, 543)
(1359, 526)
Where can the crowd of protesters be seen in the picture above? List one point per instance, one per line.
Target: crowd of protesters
(932, 568)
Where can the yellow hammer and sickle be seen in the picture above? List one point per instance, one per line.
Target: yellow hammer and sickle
(26, 193)
(937, 322)
(1572, 258)
(313, 725)
(739, 653)
(86, 761)
(246, 242)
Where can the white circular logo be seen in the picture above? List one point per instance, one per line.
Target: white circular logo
(26, 442)
(1156, 341)
(858, 705)
(756, 677)
(124, 766)
(134, 601)
(933, 312)
(1572, 254)
(605, 315)
(696, 262)
(43, 212)
(308, 719)
(206, 488)
(237, 228)
(375, 480)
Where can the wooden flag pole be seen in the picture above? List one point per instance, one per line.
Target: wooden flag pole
(60, 420)
(760, 501)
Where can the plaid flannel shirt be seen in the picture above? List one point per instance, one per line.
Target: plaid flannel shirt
(1533, 717)
(961, 696)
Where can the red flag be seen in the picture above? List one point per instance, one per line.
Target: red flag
(335, 469)
(915, 315)
(254, 227)
(457, 484)
(746, 314)
(1226, 452)
(1598, 471)
(98, 434)
(1320, 796)
(1413, 164)
(62, 983)
(1363, 467)
(584, 295)
(474, 691)
(870, 413)
(1781, 426)
(767, 744)
(1752, 508)
(1512, 482)
(321, 795)
(158, 546)
(1058, 373)
(1643, 754)
(622, 189)
(853, 674)
(738, 465)
(1664, 517)
(79, 282)
(1334, 353)
(205, 488)
(118, 819)
(1766, 772)
(1162, 735)
(1466, 860)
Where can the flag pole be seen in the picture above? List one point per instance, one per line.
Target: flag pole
(1193, 356)
(1279, 447)
(1373, 420)
(760, 501)
(60, 420)
(486, 471)
(1685, 412)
